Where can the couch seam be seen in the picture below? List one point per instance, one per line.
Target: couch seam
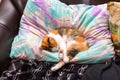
(5, 28)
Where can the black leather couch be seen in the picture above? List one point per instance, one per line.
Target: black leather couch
(10, 14)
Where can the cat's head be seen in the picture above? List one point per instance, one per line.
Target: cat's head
(48, 43)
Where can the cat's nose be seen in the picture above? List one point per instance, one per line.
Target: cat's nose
(40, 48)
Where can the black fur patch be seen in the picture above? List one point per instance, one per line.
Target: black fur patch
(73, 52)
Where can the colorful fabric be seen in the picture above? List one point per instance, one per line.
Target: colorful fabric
(40, 16)
(40, 70)
(21, 69)
(114, 24)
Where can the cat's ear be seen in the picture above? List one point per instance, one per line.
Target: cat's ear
(52, 42)
(44, 42)
(45, 38)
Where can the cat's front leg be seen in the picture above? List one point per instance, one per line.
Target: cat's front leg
(63, 55)
(58, 66)
(63, 52)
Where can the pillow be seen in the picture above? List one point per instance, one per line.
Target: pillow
(114, 23)
(40, 16)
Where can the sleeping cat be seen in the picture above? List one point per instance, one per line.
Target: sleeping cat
(67, 41)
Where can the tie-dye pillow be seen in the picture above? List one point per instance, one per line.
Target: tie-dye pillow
(41, 16)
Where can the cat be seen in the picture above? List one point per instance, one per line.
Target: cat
(67, 41)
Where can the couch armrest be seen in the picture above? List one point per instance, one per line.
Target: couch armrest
(10, 15)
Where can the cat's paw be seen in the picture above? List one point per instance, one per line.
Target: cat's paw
(60, 55)
(57, 66)
(53, 69)
(66, 60)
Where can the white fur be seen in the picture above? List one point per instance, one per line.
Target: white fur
(57, 66)
(62, 45)
(63, 42)
(69, 43)
(59, 40)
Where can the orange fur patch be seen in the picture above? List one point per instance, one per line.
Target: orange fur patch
(46, 43)
(110, 4)
(54, 32)
(81, 44)
(80, 39)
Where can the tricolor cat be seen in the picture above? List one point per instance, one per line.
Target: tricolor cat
(67, 41)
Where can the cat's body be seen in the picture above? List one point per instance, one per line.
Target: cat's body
(67, 41)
